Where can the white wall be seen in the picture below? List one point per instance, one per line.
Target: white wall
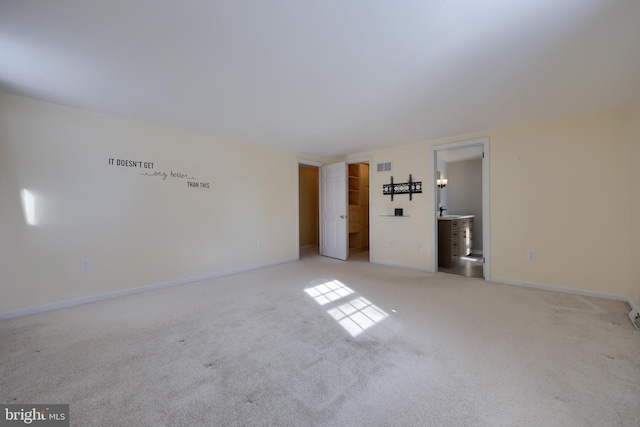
(137, 230)
(464, 192)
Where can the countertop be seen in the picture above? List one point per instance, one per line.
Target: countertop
(452, 217)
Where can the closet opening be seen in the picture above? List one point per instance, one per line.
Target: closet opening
(358, 211)
(308, 209)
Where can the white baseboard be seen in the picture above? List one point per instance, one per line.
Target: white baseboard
(633, 313)
(560, 289)
(410, 267)
(131, 291)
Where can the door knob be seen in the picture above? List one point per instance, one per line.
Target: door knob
(342, 216)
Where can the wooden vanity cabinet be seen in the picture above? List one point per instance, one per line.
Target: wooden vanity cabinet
(465, 232)
(455, 239)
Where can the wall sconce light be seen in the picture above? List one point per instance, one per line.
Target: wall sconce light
(442, 182)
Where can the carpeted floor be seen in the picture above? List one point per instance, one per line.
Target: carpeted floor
(322, 342)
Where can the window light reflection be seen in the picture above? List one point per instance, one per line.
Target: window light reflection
(355, 316)
(29, 206)
(327, 292)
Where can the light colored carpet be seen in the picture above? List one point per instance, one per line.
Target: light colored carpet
(258, 349)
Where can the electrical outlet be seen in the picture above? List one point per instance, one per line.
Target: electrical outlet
(419, 246)
(390, 243)
(85, 265)
(531, 255)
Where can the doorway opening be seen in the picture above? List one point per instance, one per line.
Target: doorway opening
(461, 206)
(308, 208)
(358, 211)
(333, 209)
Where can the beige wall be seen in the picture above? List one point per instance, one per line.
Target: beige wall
(560, 189)
(552, 192)
(634, 197)
(567, 189)
(393, 240)
(136, 230)
(309, 209)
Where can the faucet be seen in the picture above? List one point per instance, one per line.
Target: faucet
(442, 208)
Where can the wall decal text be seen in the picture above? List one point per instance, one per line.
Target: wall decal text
(192, 181)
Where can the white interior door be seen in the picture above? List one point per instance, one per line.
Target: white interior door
(334, 210)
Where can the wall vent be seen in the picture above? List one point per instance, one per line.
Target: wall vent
(384, 167)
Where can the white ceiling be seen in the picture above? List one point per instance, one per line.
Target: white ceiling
(325, 77)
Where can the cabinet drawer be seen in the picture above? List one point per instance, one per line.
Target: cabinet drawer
(455, 248)
(464, 222)
(455, 223)
(354, 212)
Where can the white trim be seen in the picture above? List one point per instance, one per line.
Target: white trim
(309, 163)
(630, 303)
(410, 267)
(366, 159)
(460, 144)
(486, 205)
(125, 292)
(634, 310)
(320, 212)
(560, 289)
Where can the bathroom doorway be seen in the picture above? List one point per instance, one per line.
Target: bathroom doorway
(461, 208)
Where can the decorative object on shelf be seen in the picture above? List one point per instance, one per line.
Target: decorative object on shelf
(442, 182)
(398, 212)
(410, 188)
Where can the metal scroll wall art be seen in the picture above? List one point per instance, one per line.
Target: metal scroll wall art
(412, 187)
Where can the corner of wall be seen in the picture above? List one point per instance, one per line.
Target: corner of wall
(634, 197)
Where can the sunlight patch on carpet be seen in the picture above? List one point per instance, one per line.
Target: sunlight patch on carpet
(355, 316)
(329, 291)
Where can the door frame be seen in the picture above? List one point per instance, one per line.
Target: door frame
(486, 208)
(300, 161)
(367, 160)
(297, 202)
